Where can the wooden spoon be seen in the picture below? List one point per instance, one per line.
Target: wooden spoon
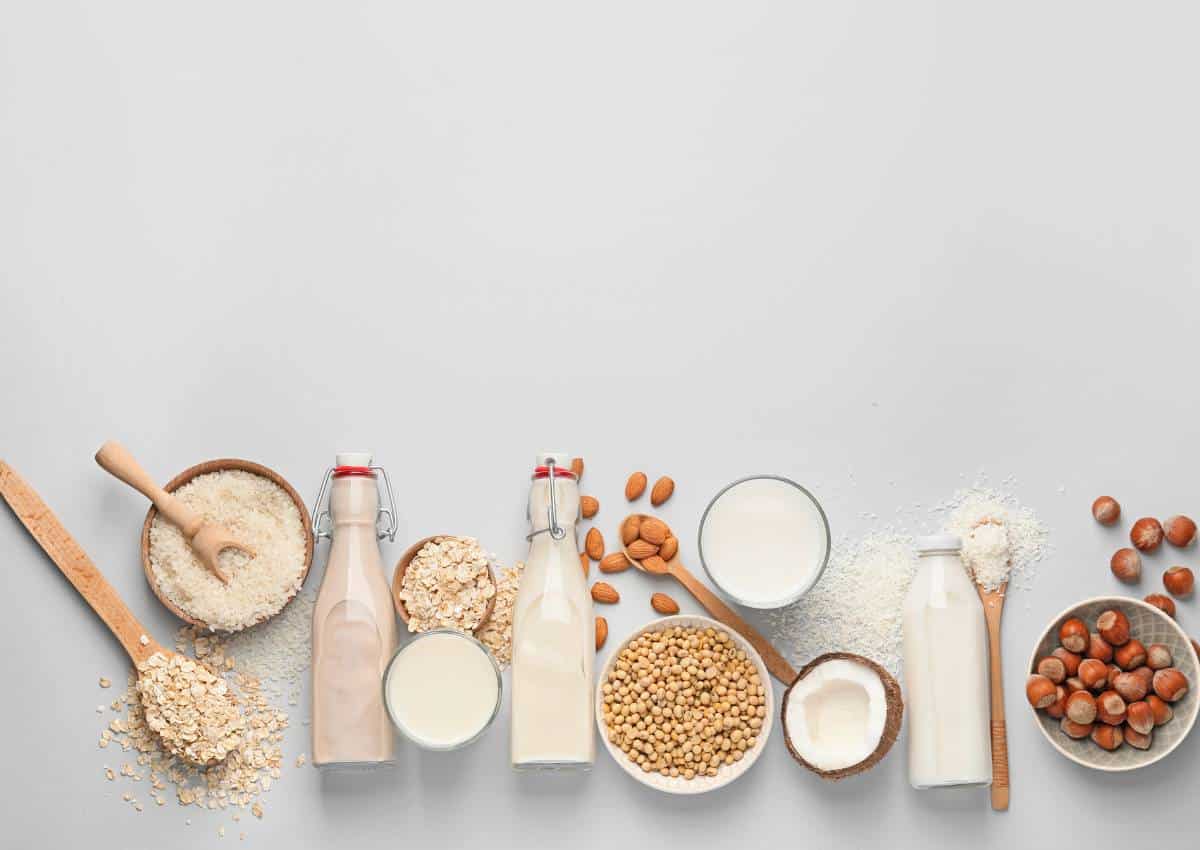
(74, 563)
(207, 539)
(993, 607)
(776, 664)
(402, 567)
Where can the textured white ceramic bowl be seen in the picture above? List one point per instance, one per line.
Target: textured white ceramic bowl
(727, 773)
(1149, 625)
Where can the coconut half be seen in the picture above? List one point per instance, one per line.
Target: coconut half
(841, 715)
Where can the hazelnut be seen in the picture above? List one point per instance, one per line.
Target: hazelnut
(1069, 659)
(1179, 530)
(1054, 670)
(1158, 656)
(1106, 510)
(1170, 684)
(1160, 709)
(1146, 534)
(1162, 602)
(1113, 672)
(1130, 656)
(1081, 707)
(1074, 684)
(1074, 730)
(1139, 717)
(1040, 691)
(1145, 676)
(1131, 687)
(1099, 648)
(1138, 740)
(1179, 581)
(1107, 737)
(1073, 635)
(1110, 708)
(1126, 564)
(1093, 674)
(1058, 708)
(1113, 626)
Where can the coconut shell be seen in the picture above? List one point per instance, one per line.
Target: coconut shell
(891, 723)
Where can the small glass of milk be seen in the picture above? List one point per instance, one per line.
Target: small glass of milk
(764, 541)
(442, 689)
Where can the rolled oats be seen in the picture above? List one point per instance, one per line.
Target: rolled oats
(447, 585)
(190, 707)
(496, 633)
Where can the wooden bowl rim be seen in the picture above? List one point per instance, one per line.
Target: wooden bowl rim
(221, 465)
(402, 568)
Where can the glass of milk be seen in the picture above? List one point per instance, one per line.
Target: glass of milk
(764, 541)
(442, 689)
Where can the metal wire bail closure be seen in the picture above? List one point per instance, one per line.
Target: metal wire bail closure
(556, 531)
(321, 529)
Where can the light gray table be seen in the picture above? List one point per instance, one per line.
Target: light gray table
(852, 243)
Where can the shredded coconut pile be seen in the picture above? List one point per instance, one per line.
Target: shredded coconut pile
(260, 514)
(1002, 540)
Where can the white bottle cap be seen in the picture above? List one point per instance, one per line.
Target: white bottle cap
(939, 543)
(561, 459)
(353, 459)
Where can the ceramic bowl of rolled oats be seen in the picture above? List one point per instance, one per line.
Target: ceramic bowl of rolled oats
(444, 582)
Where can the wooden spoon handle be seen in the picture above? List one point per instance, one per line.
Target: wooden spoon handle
(74, 563)
(117, 461)
(1000, 781)
(776, 663)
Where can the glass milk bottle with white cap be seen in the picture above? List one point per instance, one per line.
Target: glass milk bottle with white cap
(354, 624)
(945, 671)
(553, 632)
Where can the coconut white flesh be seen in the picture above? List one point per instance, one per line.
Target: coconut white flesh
(836, 714)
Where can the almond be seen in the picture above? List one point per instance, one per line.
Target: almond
(604, 592)
(577, 467)
(593, 544)
(614, 562)
(654, 564)
(635, 486)
(588, 506)
(601, 632)
(654, 531)
(630, 528)
(585, 563)
(640, 549)
(669, 548)
(662, 490)
(664, 604)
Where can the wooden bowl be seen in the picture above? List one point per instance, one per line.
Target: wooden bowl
(1149, 625)
(727, 772)
(402, 568)
(220, 466)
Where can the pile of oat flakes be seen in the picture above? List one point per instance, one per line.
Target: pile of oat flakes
(448, 585)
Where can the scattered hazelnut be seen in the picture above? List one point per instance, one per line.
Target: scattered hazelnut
(1099, 648)
(1073, 635)
(1058, 708)
(1074, 684)
(1126, 564)
(1040, 691)
(1110, 708)
(1081, 707)
(1162, 602)
(1093, 674)
(1106, 510)
(1160, 709)
(1179, 581)
(1069, 659)
(1113, 626)
(1075, 730)
(1107, 737)
(1130, 686)
(1138, 740)
(1158, 656)
(1179, 530)
(1130, 656)
(1170, 684)
(1139, 717)
(1054, 669)
(1146, 534)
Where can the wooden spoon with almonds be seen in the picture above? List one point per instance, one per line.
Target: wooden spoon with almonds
(649, 561)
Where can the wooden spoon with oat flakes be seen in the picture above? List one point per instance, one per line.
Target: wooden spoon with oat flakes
(191, 708)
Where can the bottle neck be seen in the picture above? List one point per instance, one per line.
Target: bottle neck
(354, 501)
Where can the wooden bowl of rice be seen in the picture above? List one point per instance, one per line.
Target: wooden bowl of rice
(208, 583)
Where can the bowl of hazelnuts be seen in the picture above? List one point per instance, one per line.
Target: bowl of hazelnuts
(1113, 683)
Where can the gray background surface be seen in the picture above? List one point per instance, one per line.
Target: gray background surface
(874, 247)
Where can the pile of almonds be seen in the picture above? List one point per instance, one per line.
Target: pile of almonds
(1106, 684)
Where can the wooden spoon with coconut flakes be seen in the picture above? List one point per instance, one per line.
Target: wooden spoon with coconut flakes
(162, 673)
